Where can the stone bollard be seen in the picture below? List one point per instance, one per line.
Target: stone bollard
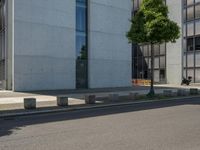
(62, 101)
(194, 91)
(168, 93)
(113, 97)
(181, 92)
(29, 103)
(90, 99)
(133, 96)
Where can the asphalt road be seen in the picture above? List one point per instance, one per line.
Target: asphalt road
(158, 126)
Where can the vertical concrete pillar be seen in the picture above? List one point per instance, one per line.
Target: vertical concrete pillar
(9, 44)
(174, 50)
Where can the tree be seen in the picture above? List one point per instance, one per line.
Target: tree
(152, 25)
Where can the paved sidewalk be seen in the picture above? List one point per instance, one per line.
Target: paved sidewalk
(13, 101)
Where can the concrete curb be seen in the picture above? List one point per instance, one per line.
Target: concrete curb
(20, 114)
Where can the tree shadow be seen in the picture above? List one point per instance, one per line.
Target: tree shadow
(9, 125)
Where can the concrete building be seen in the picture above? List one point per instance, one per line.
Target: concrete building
(64, 44)
(173, 61)
(73, 44)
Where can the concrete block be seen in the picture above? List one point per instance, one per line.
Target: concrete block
(133, 96)
(168, 93)
(29, 103)
(62, 101)
(90, 99)
(113, 97)
(182, 92)
(194, 91)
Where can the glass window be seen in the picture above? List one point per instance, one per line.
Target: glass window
(81, 18)
(190, 13)
(162, 49)
(197, 43)
(197, 27)
(190, 29)
(184, 73)
(197, 75)
(140, 2)
(81, 45)
(196, 1)
(140, 53)
(190, 60)
(162, 62)
(190, 44)
(135, 4)
(157, 76)
(190, 73)
(197, 11)
(156, 62)
(162, 75)
(189, 2)
(145, 48)
(184, 15)
(149, 63)
(156, 50)
(197, 60)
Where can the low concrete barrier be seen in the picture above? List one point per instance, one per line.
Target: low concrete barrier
(114, 97)
(90, 99)
(29, 103)
(194, 91)
(182, 92)
(133, 96)
(62, 101)
(168, 93)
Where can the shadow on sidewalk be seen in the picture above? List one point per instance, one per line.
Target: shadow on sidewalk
(9, 125)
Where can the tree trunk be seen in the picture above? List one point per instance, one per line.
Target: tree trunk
(152, 92)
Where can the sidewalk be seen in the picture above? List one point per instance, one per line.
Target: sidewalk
(11, 102)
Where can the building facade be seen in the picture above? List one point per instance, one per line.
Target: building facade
(79, 44)
(191, 39)
(64, 44)
(168, 61)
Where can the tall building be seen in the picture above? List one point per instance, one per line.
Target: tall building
(64, 44)
(191, 39)
(75, 44)
(168, 61)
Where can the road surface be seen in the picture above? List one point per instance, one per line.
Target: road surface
(158, 126)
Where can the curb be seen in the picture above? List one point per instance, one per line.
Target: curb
(40, 112)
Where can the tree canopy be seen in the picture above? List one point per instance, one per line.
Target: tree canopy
(151, 24)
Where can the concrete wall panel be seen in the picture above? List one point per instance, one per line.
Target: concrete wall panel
(174, 50)
(109, 51)
(44, 45)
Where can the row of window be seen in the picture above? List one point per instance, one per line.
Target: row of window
(142, 58)
(142, 62)
(191, 28)
(190, 2)
(191, 41)
(193, 44)
(191, 12)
